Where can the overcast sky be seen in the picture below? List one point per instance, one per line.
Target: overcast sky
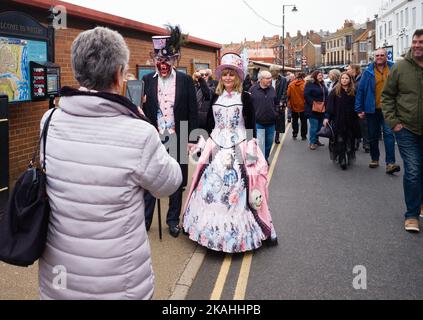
(226, 21)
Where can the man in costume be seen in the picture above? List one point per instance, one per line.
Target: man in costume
(170, 102)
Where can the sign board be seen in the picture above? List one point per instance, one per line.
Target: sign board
(15, 55)
(134, 91)
(22, 39)
(390, 53)
(45, 80)
(38, 82)
(4, 151)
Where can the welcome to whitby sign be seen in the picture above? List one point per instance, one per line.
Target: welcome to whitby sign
(22, 25)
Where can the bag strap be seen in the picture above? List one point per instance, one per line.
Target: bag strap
(323, 90)
(43, 137)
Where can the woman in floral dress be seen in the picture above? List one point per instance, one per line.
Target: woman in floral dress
(227, 206)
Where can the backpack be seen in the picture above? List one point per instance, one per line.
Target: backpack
(24, 224)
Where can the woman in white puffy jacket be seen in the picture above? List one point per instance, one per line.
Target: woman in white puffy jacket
(102, 154)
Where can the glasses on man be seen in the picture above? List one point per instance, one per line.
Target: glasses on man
(379, 55)
(203, 75)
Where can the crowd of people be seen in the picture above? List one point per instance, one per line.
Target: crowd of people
(102, 205)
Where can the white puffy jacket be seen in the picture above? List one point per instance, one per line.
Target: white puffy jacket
(100, 159)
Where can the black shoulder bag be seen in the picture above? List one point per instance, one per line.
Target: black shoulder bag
(24, 225)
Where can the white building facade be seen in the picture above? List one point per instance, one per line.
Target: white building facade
(396, 22)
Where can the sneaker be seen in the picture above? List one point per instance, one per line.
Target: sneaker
(392, 168)
(319, 144)
(374, 165)
(304, 138)
(412, 225)
(313, 147)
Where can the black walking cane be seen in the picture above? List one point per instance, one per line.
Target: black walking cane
(159, 207)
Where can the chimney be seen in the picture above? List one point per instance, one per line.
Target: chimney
(371, 25)
(348, 23)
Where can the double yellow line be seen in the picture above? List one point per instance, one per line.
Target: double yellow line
(241, 287)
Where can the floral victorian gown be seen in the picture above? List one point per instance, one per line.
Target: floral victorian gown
(221, 212)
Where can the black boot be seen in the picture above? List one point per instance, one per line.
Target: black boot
(277, 138)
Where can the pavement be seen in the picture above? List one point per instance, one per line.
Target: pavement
(175, 264)
(330, 223)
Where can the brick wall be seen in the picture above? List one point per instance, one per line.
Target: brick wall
(25, 117)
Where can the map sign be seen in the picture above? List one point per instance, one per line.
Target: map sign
(15, 55)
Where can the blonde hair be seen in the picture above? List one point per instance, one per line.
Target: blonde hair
(335, 73)
(237, 85)
(351, 86)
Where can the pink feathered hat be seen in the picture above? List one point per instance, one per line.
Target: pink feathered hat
(231, 61)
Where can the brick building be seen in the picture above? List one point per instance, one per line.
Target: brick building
(365, 44)
(265, 50)
(294, 46)
(24, 118)
(347, 45)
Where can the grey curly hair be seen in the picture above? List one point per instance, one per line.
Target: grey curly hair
(96, 56)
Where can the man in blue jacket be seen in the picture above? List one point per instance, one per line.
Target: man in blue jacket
(368, 105)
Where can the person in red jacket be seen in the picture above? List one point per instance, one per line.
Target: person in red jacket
(296, 103)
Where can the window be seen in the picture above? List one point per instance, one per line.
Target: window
(414, 18)
(363, 46)
(386, 30)
(402, 18)
(390, 28)
(381, 33)
(142, 70)
(406, 17)
(397, 21)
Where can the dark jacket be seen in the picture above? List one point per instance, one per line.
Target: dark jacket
(314, 92)
(185, 108)
(341, 111)
(265, 104)
(365, 100)
(402, 97)
(248, 113)
(281, 90)
(204, 94)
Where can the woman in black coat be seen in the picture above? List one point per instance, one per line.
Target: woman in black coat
(315, 91)
(341, 114)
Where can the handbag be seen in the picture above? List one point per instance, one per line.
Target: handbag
(24, 224)
(320, 106)
(326, 132)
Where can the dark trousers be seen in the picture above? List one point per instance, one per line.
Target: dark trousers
(375, 123)
(295, 125)
(280, 125)
(364, 133)
(175, 206)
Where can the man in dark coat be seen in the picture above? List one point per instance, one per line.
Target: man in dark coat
(171, 105)
(280, 84)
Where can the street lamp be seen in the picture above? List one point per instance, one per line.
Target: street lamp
(294, 9)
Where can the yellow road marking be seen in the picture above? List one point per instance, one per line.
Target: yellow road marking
(221, 278)
(244, 274)
(241, 286)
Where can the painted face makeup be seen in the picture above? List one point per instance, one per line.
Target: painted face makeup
(164, 66)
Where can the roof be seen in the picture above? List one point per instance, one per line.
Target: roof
(94, 15)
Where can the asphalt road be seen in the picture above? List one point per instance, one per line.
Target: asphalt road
(329, 222)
